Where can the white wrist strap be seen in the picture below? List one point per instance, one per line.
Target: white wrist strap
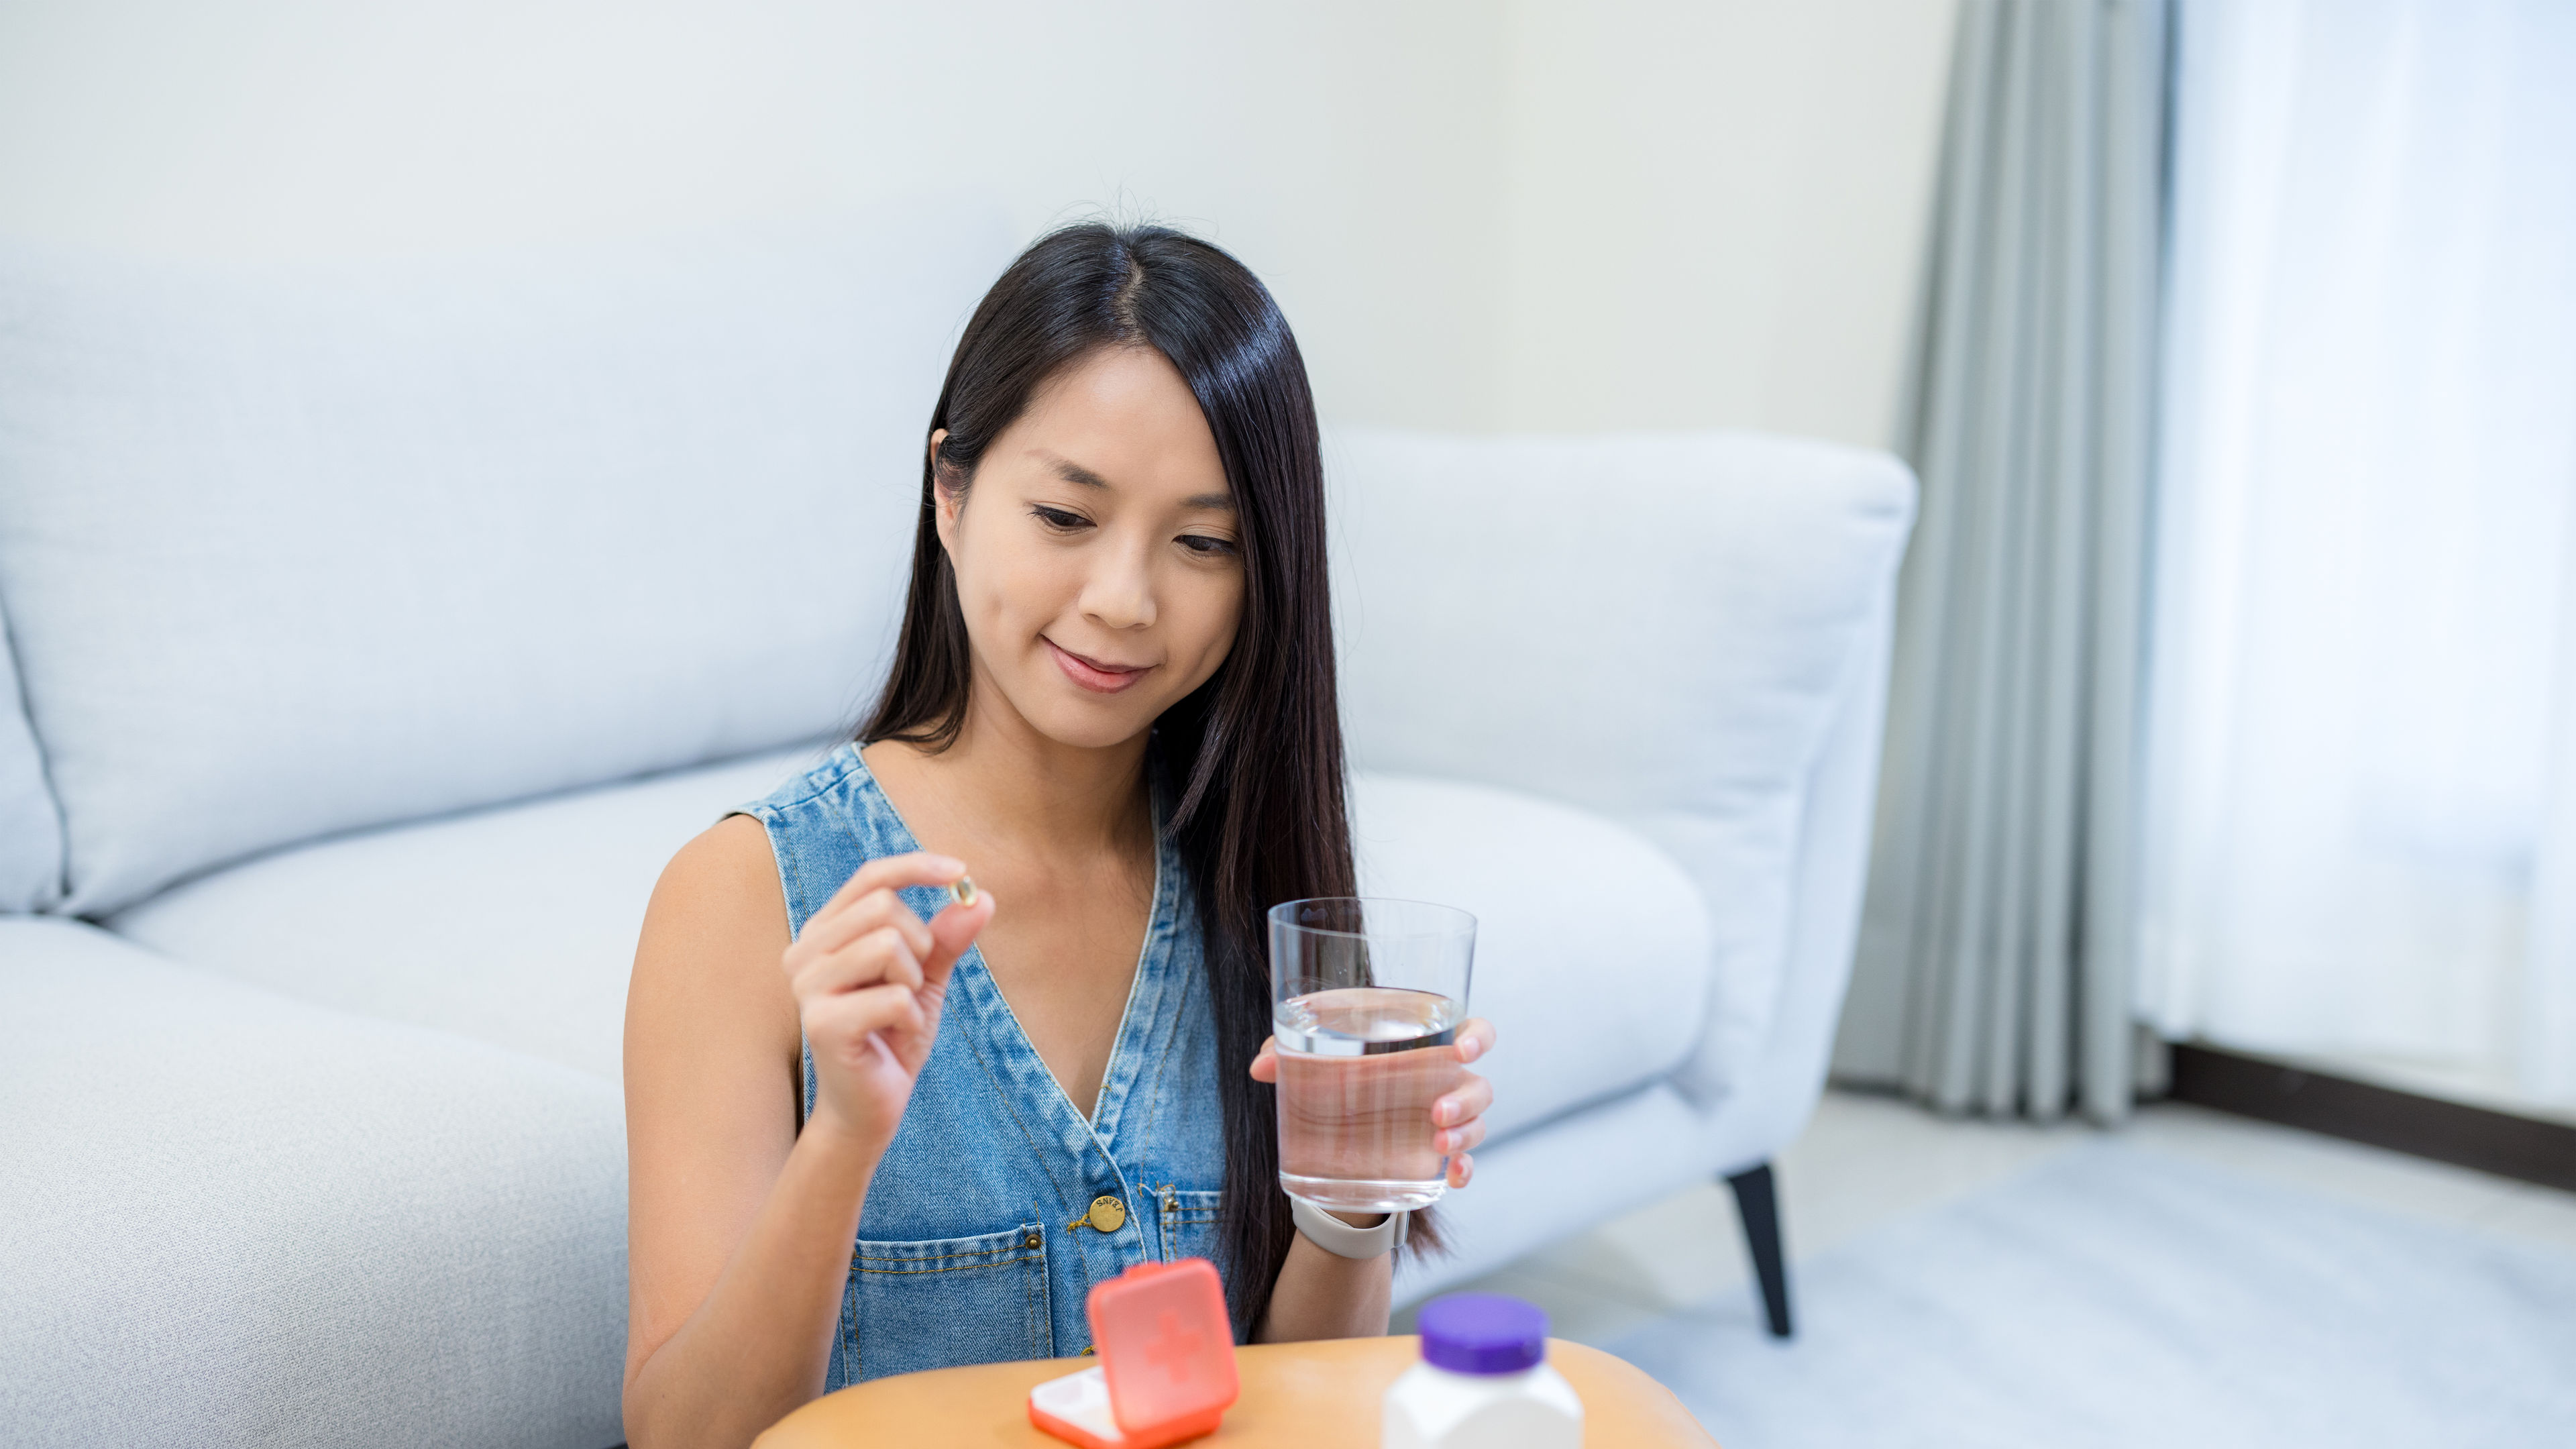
(1339, 1238)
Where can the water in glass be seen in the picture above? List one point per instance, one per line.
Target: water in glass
(1359, 1068)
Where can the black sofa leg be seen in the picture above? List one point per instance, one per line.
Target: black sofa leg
(1758, 1201)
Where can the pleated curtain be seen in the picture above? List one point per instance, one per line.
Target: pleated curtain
(1996, 954)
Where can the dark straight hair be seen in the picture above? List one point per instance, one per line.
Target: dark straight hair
(1256, 751)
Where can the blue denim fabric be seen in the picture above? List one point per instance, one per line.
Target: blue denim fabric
(974, 1245)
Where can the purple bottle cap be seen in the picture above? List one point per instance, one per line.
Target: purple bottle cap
(1483, 1333)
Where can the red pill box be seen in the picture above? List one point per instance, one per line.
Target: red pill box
(1166, 1362)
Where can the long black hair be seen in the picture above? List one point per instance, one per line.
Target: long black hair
(1256, 751)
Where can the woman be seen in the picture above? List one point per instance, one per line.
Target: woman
(1113, 694)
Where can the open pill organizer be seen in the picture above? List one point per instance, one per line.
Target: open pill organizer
(1166, 1362)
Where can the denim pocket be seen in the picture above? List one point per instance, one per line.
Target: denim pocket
(940, 1302)
(1189, 1224)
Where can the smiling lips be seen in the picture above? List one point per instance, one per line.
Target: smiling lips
(1092, 674)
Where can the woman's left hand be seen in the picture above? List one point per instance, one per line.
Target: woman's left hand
(1457, 1114)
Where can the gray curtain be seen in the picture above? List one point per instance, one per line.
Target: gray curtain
(1995, 957)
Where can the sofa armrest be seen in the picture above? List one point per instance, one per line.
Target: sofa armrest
(1780, 1089)
(1668, 629)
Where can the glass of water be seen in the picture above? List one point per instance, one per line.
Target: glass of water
(1366, 996)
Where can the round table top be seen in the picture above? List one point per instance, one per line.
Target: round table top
(1305, 1394)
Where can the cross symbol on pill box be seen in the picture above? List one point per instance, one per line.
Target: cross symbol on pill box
(1176, 1346)
(1166, 1349)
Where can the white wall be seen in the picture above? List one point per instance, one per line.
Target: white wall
(1639, 212)
(1717, 211)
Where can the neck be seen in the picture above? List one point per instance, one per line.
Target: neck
(1040, 794)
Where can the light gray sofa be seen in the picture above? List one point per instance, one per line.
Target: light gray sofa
(375, 638)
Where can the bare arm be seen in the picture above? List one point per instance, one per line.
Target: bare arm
(1325, 1295)
(739, 1227)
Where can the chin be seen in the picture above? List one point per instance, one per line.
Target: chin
(1084, 725)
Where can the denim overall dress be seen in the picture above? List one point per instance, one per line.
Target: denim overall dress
(999, 1204)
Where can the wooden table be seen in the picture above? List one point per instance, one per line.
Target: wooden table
(1304, 1394)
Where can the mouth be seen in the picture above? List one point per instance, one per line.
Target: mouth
(1098, 676)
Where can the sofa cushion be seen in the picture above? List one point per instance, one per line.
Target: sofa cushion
(514, 926)
(1663, 630)
(293, 553)
(517, 926)
(1592, 945)
(31, 829)
(239, 1220)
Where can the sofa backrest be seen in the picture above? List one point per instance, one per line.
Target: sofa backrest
(285, 554)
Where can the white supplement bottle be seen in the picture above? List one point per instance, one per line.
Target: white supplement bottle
(1483, 1382)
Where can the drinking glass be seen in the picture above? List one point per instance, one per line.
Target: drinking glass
(1366, 995)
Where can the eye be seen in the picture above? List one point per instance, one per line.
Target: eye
(1206, 545)
(1059, 520)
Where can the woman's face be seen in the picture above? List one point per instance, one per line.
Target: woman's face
(1097, 555)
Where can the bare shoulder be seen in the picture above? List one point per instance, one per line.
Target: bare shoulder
(727, 867)
(707, 962)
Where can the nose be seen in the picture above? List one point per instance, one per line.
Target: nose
(1119, 592)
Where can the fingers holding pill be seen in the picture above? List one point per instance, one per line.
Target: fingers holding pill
(876, 911)
(869, 976)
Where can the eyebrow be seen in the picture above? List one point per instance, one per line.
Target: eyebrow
(1073, 472)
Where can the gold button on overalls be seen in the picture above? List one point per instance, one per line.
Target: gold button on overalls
(1107, 1214)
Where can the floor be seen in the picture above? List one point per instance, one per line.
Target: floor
(1866, 1160)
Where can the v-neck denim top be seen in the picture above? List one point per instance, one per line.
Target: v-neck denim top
(980, 1239)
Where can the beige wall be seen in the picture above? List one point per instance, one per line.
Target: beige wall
(1716, 211)
(1478, 215)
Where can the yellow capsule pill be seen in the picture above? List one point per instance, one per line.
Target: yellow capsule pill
(963, 890)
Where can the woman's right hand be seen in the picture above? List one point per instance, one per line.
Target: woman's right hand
(869, 977)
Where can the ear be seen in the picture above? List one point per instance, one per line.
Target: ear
(945, 502)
